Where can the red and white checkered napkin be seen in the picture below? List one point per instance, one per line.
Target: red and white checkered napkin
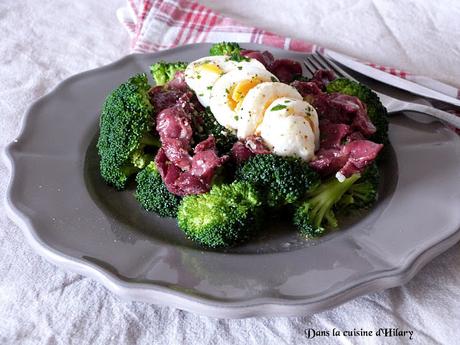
(162, 24)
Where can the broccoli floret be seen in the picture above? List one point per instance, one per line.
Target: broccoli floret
(376, 111)
(284, 180)
(139, 158)
(152, 193)
(124, 138)
(314, 215)
(361, 194)
(208, 125)
(231, 49)
(225, 48)
(163, 71)
(225, 216)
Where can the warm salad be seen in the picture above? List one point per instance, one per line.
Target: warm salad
(237, 137)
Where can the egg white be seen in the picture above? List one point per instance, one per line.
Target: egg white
(255, 103)
(201, 80)
(302, 108)
(219, 101)
(288, 128)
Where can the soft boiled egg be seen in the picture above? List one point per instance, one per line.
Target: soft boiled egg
(230, 90)
(290, 128)
(258, 99)
(201, 74)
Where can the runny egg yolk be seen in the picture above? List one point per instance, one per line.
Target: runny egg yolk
(209, 67)
(240, 90)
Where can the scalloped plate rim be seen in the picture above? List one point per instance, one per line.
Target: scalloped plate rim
(206, 306)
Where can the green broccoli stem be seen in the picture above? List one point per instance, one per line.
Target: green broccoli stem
(347, 199)
(325, 196)
(331, 220)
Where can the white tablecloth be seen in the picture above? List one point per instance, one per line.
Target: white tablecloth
(44, 42)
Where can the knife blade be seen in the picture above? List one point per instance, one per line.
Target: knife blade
(390, 79)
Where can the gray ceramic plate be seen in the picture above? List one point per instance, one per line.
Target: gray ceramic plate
(73, 219)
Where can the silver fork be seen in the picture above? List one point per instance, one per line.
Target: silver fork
(318, 61)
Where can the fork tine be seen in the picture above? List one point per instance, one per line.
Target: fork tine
(319, 61)
(311, 69)
(325, 64)
(339, 71)
(313, 61)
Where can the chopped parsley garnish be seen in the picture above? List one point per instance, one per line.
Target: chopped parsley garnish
(278, 107)
(273, 79)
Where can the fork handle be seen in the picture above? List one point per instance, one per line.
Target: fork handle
(444, 116)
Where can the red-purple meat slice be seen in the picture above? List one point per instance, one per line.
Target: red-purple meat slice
(354, 136)
(328, 161)
(168, 172)
(184, 174)
(244, 149)
(240, 153)
(174, 123)
(257, 145)
(332, 134)
(175, 91)
(206, 161)
(362, 123)
(266, 58)
(162, 98)
(177, 153)
(205, 164)
(340, 108)
(187, 184)
(361, 152)
(178, 82)
(306, 88)
(351, 158)
(286, 70)
(207, 144)
(322, 77)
